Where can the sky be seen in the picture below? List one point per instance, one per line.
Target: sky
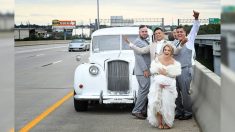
(42, 12)
(6, 6)
(227, 2)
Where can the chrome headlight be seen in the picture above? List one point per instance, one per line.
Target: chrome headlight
(94, 70)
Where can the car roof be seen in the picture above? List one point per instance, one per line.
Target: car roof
(118, 30)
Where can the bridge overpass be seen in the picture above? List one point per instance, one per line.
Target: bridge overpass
(208, 51)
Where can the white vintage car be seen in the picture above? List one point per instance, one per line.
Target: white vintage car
(108, 76)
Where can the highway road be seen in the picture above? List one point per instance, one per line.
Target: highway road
(44, 75)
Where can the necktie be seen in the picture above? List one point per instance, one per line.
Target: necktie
(178, 43)
(146, 41)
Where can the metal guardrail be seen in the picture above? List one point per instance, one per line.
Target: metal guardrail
(46, 42)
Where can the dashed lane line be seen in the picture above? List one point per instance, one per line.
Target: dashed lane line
(52, 63)
(37, 55)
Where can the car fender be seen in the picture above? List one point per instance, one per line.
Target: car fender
(92, 84)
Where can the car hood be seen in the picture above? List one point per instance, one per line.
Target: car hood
(101, 57)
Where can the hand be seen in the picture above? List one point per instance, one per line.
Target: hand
(126, 39)
(195, 14)
(146, 73)
(183, 41)
(162, 71)
(163, 86)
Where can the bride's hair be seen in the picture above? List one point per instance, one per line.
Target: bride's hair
(171, 48)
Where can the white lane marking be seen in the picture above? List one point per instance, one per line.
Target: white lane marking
(40, 55)
(52, 63)
(33, 50)
(57, 62)
(37, 55)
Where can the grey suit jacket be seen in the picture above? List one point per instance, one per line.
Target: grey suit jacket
(142, 61)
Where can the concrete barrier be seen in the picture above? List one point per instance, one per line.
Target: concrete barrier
(227, 99)
(206, 97)
(43, 42)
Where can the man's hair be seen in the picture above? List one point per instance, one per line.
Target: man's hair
(158, 28)
(142, 26)
(181, 27)
(171, 37)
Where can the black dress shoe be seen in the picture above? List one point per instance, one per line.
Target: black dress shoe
(177, 116)
(139, 115)
(145, 114)
(185, 117)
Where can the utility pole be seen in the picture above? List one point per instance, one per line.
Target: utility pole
(90, 28)
(82, 31)
(98, 19)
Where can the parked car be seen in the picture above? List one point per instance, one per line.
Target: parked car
(108, 76)
(78, 44)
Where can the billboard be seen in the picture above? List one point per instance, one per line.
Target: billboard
(63, 24)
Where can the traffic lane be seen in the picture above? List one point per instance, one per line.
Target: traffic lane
(103, 118)
(28, 49)
(38, 88)
(24, 61)
(31, 102)
(44, 75)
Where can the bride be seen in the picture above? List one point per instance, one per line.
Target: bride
(162, 92)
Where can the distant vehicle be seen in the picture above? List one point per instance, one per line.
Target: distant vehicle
(108, 77)
(78, 45)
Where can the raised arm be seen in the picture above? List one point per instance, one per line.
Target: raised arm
(138, 50)
(193, 32)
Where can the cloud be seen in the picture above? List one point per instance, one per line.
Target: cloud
(7, 6)
(87, 10)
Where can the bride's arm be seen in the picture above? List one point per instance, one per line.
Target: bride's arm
(174, 70)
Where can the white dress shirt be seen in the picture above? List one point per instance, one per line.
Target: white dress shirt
(159, 46)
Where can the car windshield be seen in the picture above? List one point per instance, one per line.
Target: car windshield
(78, 41)
(110, 42)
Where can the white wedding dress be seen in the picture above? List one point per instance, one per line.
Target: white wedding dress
(162, 100)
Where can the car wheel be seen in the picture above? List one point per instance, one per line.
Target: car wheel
(80, 105)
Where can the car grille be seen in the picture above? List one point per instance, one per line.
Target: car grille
(118, 76)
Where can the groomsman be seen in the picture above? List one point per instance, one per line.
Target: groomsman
(185, 57)
(141, 70)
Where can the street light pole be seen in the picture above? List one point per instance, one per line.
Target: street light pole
(98, 19)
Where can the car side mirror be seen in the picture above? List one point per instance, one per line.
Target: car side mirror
(78, 58)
